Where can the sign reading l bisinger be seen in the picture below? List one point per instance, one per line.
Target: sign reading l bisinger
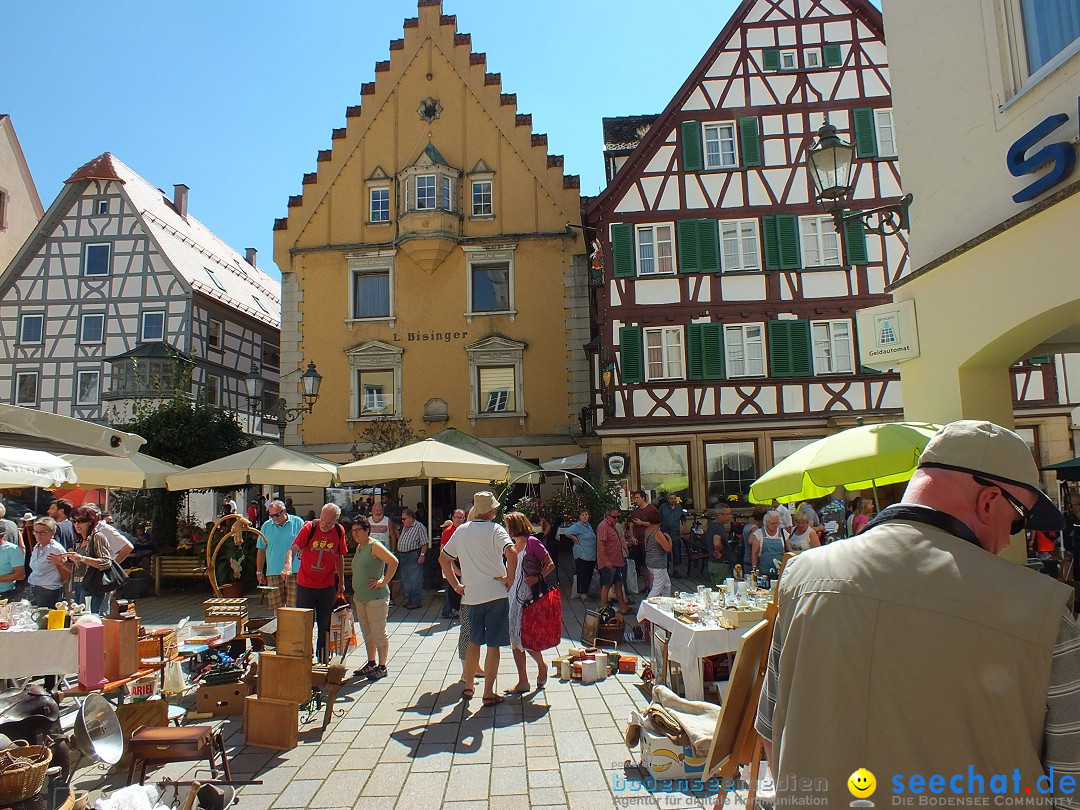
(888, 334)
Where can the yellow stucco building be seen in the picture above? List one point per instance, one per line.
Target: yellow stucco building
(428, 267)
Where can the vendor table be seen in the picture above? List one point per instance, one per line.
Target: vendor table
(26, 653)
(688, 644)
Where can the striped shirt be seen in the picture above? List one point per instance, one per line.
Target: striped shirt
(413, 537)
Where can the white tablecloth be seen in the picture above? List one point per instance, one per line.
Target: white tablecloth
(24, 654)
(688, 644)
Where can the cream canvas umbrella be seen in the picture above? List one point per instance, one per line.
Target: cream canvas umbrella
(139, 471)
(33, 468)
(40, 430)
(266, 464)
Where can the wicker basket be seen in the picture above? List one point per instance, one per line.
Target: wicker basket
(150, 648)
(22, 771)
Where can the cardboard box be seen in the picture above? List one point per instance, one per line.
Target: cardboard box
(121, 648)
(282, 677)
(628, 664)
(271, 723)
(665, 760)
(296, 632)
(223, 699)
(742, 617)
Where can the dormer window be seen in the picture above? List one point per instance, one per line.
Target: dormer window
(481, 191)
(429, 184)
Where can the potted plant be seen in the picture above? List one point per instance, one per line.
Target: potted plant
(138, 584)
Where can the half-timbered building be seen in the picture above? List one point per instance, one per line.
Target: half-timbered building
(121, 293)
(726, 298)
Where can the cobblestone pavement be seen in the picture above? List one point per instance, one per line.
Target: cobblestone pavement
(409, 740)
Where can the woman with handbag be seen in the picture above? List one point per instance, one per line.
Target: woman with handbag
(529, 596)
(91, 557)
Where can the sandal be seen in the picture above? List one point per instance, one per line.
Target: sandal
(519, 690)
(467, 693)
(541, 683)
(493, 700)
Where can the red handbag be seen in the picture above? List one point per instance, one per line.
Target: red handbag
(541, 622)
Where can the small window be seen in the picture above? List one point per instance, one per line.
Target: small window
(812, 56)
(886, 137)
(497, 387)
(481, 199)
(212, 390)
(271, 356)
(371, 294)
(32, 329)
(425, 192)
(215, 334)
(832, 347)
(380, 204)
(376, 392)
(740, 245)
(26, 388)
(97, 259)
(744, 345)
(88, 390)
(789, 60)
(215, 280)
(820, 242)
(102, 206)
(92, 328)
(721, 150)
(153, 326)
(3, 209)
(664, 353)
(446, 193)
(490, 287)
(655, 249)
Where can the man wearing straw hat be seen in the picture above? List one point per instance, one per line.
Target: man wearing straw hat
(914, 652)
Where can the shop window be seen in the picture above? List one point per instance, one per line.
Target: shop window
(730, 469)
(664, 469)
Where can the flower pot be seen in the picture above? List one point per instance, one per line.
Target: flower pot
(233, 590)
(137, 588)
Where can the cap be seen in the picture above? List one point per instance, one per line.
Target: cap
(446, 523)
(994, 452)
(484, 502)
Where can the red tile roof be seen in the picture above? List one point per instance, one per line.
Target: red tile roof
(100, 168)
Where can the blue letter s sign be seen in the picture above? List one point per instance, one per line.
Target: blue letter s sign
(1060, 156)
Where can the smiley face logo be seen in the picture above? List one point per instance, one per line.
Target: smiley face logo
(862, 784)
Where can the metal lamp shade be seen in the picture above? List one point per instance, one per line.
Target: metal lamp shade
(829, 164)
(311, 380)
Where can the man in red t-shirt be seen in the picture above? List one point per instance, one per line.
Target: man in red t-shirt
(322, 569)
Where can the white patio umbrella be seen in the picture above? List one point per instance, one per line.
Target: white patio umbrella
(33, 468)
(424, 460)
(266, 464)
(41, 430)
(139, 471)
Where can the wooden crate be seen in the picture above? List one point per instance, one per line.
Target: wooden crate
(223, 699)
(146, 713)
(282, 677)
(224, 610)
(121, 648)
(295, 632)
(271, 723)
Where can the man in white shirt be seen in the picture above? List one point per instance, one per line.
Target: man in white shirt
(786, 521)
(478, 546)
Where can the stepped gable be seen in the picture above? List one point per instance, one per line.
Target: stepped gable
(472, 66)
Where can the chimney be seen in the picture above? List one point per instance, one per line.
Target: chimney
(180, 199)
(249, 254)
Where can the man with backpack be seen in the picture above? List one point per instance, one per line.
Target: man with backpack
(321, 576)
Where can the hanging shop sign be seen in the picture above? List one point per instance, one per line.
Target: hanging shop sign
(888, 334)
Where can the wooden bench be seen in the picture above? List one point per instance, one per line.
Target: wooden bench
(177, 567)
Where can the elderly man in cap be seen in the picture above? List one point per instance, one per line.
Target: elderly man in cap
(479, 546)
(913, 651)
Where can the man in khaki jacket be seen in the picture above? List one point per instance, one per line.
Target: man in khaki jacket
(913, 652)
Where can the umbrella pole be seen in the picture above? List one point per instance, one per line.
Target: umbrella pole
(877, 506)
(430, 515)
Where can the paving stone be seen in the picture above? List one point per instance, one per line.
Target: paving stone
(273, 779)
(341, 791)
(386, 780)
(372, 737)
(595, 800)
(575, 746)
(317, 767)
(540, 779)
(584, 776)
(432, 758)
(469, 782)
(423, 790)
(508, 781)
(375, 803)
(606, 735)
(548, 795)
(472, 805)
(359, 759)
(504, 755)
(298, 793)
(545, 763)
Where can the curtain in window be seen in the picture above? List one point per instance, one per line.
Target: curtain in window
(1049, 27)
(372, 295)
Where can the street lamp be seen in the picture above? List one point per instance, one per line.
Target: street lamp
(311, 381)
(829, 164)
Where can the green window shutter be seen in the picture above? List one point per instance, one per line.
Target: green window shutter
(787, 231)
(750, 141)
(708, 242)
(630, 355)
(789, 349)
(622, 249)
(770, 58)
(1041, 360)
(691, 147)
(712, 345)
(832, 56)
(855, 242)
(686, 231)
(862, 120)
(772, 242)
(694, 354)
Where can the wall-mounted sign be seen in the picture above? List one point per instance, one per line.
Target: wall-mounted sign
(617, 464)
(1060, 157)
(888, 334)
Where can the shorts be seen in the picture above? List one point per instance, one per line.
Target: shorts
(285, 595)
(489, 623)
(612, 576)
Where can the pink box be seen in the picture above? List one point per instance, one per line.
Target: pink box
(91, 655)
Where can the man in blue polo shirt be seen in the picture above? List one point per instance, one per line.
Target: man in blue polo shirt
(280, 531)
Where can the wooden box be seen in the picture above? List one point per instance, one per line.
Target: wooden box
(222, 699)
(222, 610)
(121, 648)
(296, 632)
(628, 664)
(154, 713)
(271, 723)
(283, 677)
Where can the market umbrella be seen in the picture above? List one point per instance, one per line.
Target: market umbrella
(424, 460)
(1066, 470)
(33, 468)
(861, 457)
(41, 430)
(266, 464)
(139, 471)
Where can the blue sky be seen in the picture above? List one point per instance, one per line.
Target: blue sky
(235, 98)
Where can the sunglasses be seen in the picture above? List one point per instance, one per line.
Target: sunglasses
(84, 520)
(277, 514)
(1023, 513)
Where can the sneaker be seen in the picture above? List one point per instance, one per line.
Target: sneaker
(365, 671)
(377, 674)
